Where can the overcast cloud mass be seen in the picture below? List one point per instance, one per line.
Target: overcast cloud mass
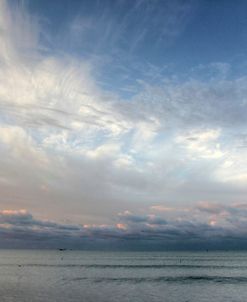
(123, 123)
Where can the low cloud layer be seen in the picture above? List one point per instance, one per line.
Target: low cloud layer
(207, 226)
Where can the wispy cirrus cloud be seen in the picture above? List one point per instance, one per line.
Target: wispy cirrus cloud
(67, 136)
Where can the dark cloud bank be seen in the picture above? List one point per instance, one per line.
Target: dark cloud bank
(19, 229)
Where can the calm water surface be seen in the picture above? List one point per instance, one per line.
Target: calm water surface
(122, 276)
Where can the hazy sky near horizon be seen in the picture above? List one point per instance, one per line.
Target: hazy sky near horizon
(119, 118)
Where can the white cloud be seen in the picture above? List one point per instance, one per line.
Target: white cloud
(63, 137)
(202, 144)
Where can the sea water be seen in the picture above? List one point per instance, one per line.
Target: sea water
(33, 276)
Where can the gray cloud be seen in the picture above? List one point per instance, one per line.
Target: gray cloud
(21, 229)
(145, 219)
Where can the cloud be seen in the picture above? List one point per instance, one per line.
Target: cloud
(22, 218)
(74, 145)
(145, 219)
(19, 33)
(122, 27)
(132, 231)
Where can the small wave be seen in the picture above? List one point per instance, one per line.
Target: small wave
(169, 279)
(128, 266)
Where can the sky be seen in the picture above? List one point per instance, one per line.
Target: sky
(123, 124)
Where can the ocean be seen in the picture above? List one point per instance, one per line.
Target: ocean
(34, 275)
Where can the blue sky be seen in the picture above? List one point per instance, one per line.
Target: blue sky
(123, 119)
(180, 35)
